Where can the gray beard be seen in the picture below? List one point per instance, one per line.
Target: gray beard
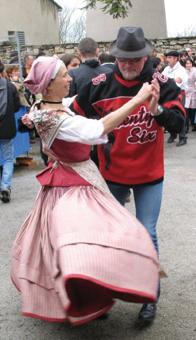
(129, 75)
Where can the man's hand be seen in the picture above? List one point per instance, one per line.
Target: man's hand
(153, 100)
(26, 121)
(178, 80)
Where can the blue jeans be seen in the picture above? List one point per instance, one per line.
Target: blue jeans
(148, 200)
(7, 155)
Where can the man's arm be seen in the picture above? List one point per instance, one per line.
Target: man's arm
(173, 114)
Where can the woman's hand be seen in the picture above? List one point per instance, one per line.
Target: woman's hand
(144, 93)
(154, 98)
(51, 155)
(26, 121)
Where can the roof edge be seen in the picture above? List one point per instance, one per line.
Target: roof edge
(55, 3)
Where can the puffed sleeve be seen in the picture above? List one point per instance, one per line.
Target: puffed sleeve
(83, 130)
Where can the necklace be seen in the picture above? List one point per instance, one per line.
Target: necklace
(49, 102)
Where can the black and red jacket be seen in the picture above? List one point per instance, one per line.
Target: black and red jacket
(134, 152)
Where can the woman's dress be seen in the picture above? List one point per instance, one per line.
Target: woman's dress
(190, 93)
(79, 250)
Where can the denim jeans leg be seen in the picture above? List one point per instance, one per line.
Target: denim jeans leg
(7, 154)
(148, 200)
(119, 192)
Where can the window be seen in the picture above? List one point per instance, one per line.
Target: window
(20, 34)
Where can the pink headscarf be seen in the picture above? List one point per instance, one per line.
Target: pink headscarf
(42, 71)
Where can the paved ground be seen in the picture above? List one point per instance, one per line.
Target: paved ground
(176, 315)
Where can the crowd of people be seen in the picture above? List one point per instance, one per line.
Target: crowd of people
(88, 250)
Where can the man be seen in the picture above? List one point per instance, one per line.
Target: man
(133, 156)
(9, 103)
(189, 52)
(13, 57)
(106, 59)
(177, 72)
(89, 68)
(28, 62)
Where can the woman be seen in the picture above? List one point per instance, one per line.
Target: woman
(190, 94)
(71, 61)
(13, 73)
(76, 252)
(163, 60)
(157, 65)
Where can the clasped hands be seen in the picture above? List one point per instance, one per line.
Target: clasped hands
(150, 93)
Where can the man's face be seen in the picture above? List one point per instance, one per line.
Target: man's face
(131, 68)
(29, 61)
(189, 51)
(171, 60)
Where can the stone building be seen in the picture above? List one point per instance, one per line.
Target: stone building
(36, 21)
(149, 14)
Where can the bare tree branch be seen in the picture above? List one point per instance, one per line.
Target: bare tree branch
(72, 26)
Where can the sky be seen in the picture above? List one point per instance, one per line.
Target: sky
(180, 15)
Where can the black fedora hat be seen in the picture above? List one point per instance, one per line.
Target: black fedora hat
(130, 43)
(172, 54)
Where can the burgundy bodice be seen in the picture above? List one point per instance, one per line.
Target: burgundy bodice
(63, 175)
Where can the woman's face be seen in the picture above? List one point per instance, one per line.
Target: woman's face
(74, 63)
(183, 57)
(59, 87)
(15, 74)
(188, 65)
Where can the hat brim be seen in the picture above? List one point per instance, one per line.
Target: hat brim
(113, 49)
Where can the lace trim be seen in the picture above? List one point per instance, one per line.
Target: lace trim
(89, 171)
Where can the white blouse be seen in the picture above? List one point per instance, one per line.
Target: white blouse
(82, 130)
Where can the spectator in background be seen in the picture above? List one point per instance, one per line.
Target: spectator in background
(156, 62)
(14, 76)
(89, 68)
(40, 54)
(163, 60)
(106, 59)
(189, 52)
(28, 62)
(176, 71)
(13, 73)
(183, 56)
(14, 57)
(190, 94)
(71, 61)
(9, 104)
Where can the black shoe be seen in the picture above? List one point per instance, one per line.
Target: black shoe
(194, 128)
(103, 316)
(5, 195)
(181, 142)
(171, 139)
(147, 313)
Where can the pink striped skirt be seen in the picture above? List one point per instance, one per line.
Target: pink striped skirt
(77, 252)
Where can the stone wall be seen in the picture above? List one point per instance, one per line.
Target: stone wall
(160, 45)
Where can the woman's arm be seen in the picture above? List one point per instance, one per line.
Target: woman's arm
(111, 121)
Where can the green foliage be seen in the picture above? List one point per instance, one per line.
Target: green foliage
(116, 8)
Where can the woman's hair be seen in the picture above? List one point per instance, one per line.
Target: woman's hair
(155, 61)
(161, 55)
(10, 69)
(1, 66)
(183, 53)
(67, 58)
(188, 59)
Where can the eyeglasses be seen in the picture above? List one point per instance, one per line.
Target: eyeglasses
(134, 60)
